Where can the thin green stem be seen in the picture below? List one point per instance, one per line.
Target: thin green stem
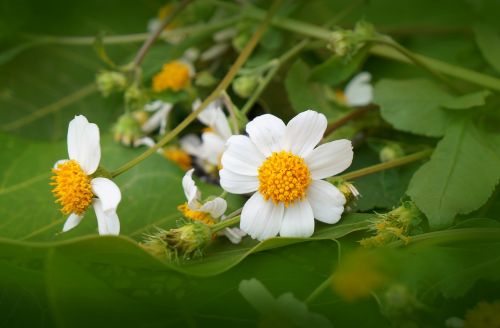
(386, 51)
(225, 224)
(445, 68)
(156, 33)
(444, 236)
(385, 166)
(232, 112)
(133, 38)
(347, 118)
(226, 81)
(319, 290)
(275, 66)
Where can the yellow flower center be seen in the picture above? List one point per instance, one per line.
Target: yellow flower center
(173, 75)
(179, 157)
(195, 215)
(340, 97)
(284, 177)
(71, 187)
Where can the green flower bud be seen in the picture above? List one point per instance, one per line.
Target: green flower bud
(240, 41)
(127, 129)
(110, 81)
(185, 242)
(134, 97)
(391, 152)
(245, 85)
(205, 79)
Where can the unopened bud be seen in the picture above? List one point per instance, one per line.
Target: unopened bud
(134, 97)
(245, 85)
(391, 152)
(110, 81)
(127, 129)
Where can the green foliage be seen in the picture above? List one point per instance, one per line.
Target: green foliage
(460, 176)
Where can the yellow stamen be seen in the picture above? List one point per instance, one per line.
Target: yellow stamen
(173, 75)
(195, 215)
(284, 177)
(71, 187)
(340, 96)
(179, 157)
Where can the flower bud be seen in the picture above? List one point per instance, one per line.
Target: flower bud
(391, 152)
(127, 129)
(134, 97)
(245, 85)
(110, 81)
(185, 242)
(240, 41)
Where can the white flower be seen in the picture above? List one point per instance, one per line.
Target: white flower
(208, 212)
(282, 166)
(74, 187)
(159, 118)
(213, 141)
(359, 91)
(285, 310)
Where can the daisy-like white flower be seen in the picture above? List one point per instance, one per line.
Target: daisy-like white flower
(159, 117)
(74, 187)
(281, 165)
(358, 92)
(208, 212)
(213, 139)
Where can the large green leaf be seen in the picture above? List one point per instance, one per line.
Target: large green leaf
(461, 175)
(416, 105)
(488, 40)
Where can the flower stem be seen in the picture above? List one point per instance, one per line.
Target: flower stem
(226, 81)
(386, 51)
(347, 118)
(275, 66)
(443, 236)
(152, 38)
(385, 166)
(320, 289)
(224, 224)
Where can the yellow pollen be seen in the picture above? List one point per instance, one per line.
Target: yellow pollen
(179, 157)
(195, 215)
(284, 177)
(340, 96)
(173, 75)
(71, 187)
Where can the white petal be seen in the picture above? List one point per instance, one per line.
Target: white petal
(157, 120)
(191, 143)
(330, 159)
(190, 190)
(233, 234)
(241, 156)
(298, 220)
(108, 193)
(261, 219)
(304, 132)
(214, 52)
(266, 132)
(213, 146)
(236, 183)
(107, 221)
(326, 200)
(72, 221)
(359, 91)
(226, 34)
(258, 296)
(215, 207)
(59, 162)
(83, 143)
(146, 141)
(213, 116)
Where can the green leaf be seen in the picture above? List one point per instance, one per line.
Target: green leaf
(337, 70)
(461, 175)
(467, 101)
(413, 106)
(488, 41)
(304, 94)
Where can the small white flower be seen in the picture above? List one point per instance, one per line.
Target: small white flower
(209, 212)
(159, 118)
(74, 188)
(285, 310)
(281, 166)
(213, 141)
(359, 91)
